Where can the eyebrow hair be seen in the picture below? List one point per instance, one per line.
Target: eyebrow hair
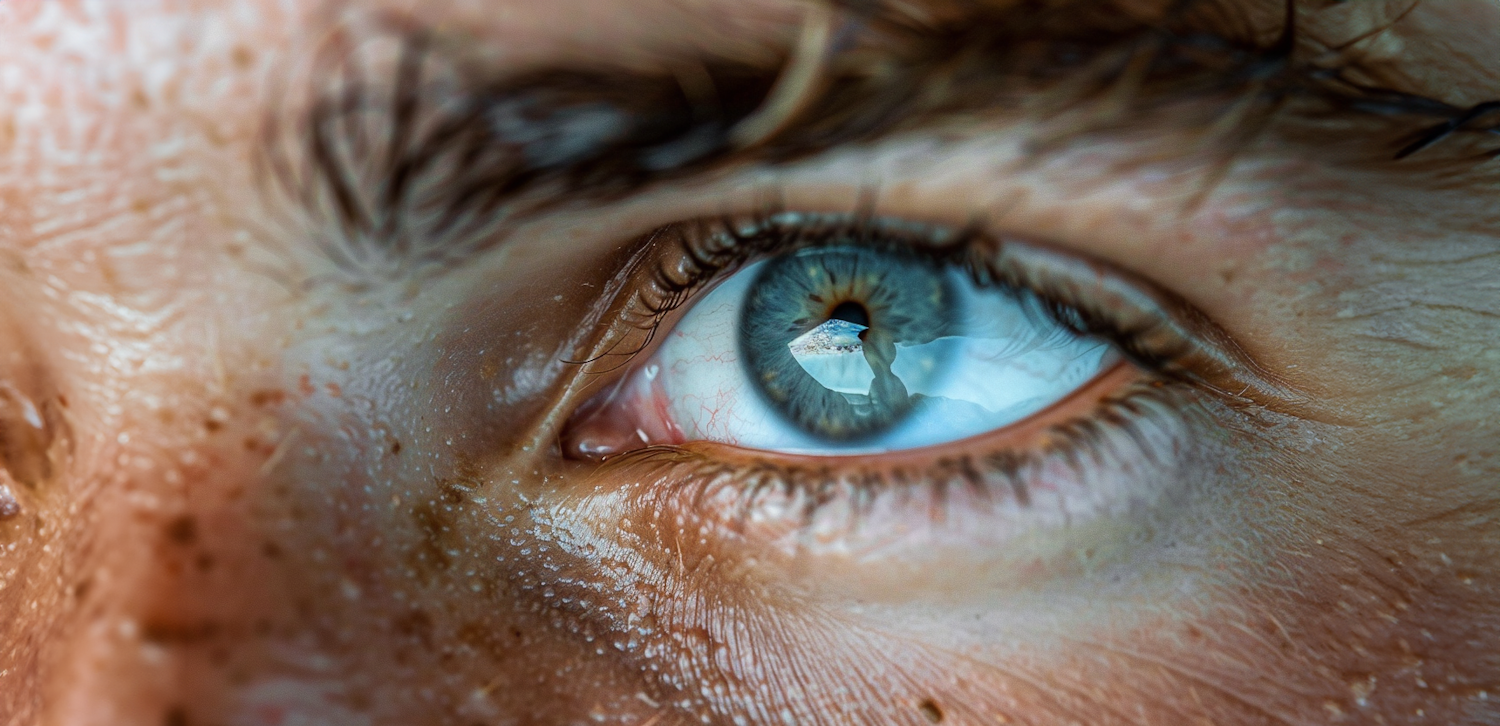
(428, 158)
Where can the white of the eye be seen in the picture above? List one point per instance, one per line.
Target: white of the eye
(1008, 362)
(704, 384)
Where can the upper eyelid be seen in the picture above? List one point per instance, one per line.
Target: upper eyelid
(457, 210)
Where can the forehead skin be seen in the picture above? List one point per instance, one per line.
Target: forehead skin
(193, 554)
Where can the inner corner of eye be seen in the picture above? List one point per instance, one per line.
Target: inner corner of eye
(843, 350)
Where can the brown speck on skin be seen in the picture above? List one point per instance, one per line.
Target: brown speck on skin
(9, 507)
(395, 447)
(416, 625)
(182, 530)
(175, 717)
(267, 397)
(242, 57)
(930, 710)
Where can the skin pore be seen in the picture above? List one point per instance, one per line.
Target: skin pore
(254, 484)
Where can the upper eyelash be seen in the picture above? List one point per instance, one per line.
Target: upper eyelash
(385, 163)
(715, 248)
(1154, 329)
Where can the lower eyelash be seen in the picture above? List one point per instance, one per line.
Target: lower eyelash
(1106, 462)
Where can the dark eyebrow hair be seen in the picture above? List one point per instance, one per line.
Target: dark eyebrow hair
(422, 157)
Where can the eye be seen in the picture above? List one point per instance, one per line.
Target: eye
(845, 348)
(815, 383)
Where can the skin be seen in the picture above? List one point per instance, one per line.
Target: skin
(276, 499)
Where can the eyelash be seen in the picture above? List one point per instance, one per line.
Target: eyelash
(698, 253)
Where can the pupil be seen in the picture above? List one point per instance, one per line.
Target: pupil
(851, 312)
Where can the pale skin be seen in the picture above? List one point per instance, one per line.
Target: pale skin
(278, 497)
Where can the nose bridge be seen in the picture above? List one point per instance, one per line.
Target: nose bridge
(124, 527)
(164, 544)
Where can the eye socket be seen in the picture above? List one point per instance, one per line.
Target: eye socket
(839, 349)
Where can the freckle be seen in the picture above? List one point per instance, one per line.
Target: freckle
(242, 57)
(304, 384)
(334, 390)
(931, 711)
(267, 397)
(182, 530)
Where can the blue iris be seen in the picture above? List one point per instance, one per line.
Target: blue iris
(820, 330)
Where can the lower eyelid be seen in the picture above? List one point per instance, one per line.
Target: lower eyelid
(1090, 463)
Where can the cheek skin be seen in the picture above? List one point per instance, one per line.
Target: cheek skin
(1319, 625)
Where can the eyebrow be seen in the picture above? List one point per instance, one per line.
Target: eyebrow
(429, 159)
